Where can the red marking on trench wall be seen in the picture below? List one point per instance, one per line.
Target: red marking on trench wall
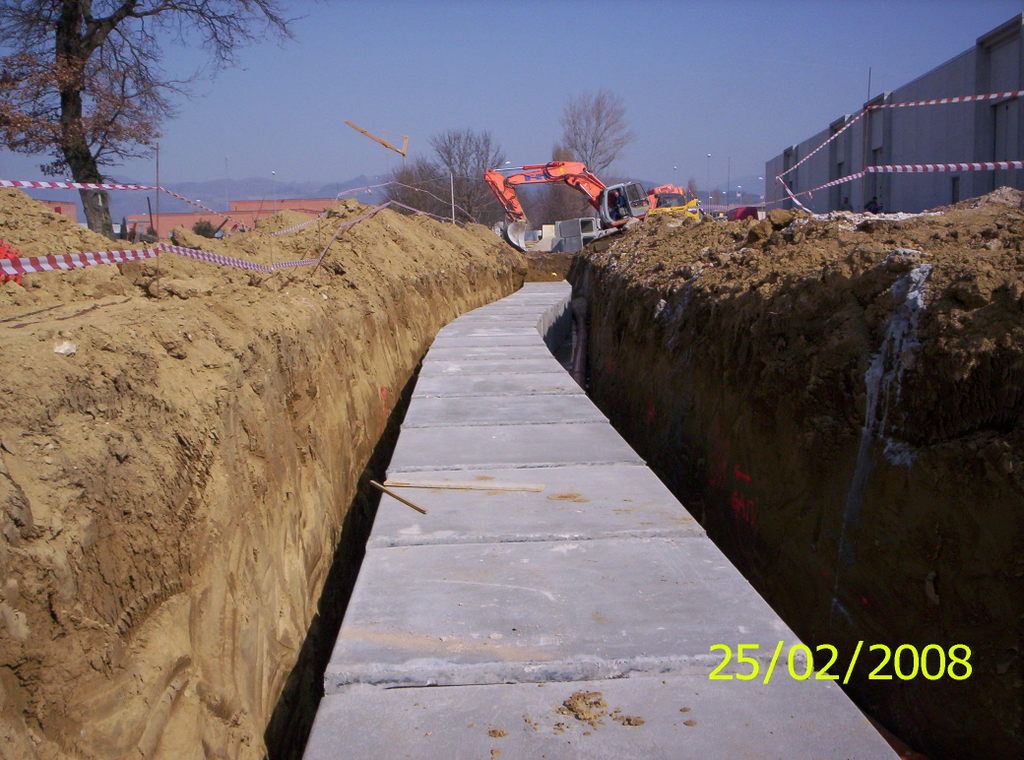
(650, 413)
(732, 479)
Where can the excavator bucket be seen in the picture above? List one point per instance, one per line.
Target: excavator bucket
(515, 234)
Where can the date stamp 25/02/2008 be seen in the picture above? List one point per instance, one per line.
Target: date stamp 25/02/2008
(905, 662)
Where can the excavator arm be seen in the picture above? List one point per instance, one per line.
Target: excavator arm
(572, 173)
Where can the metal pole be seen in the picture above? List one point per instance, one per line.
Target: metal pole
(728, 181)
(709, 178)
(156, 230)
(451, 176)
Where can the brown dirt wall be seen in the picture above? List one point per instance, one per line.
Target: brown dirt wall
(734, 356)
(171, 493)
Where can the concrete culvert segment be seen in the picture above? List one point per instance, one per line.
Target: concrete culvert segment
(173, 489)
(839, 401)
(555, 587)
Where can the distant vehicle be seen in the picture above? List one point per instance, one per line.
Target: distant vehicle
(744, 212)
(674, 199)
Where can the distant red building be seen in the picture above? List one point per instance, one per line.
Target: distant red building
(64, 208)
(241, 212)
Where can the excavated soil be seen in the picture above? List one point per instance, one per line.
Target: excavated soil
(547, 266)
(179, 446)
(839, 401)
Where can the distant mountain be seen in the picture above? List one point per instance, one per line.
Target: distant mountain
(217, 193)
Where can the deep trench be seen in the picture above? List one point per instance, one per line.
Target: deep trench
(287, 732)
(689, 405)
(290, 723)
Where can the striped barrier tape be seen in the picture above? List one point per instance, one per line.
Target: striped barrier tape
(973, 166)
(45, 185)
(67, 261)
(845, 127)
(908, 104)
(231, 261)
(298, 226)
(28, 264)
(72, 185)
(386, 204)
(792, 197)
(958, 99)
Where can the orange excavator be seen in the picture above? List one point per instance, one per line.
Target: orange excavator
(617, 205)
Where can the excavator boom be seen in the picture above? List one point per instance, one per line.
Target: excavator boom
(572, 173)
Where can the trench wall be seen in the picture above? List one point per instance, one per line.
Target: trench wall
(164, 560)
(750, 404)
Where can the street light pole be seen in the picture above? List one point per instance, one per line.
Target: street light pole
(451, 177)
(709, 178)
(728, 180)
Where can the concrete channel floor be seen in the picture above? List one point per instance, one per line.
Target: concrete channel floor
(471, 625)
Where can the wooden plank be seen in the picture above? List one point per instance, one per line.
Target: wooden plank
(470, 485)
(394, 495)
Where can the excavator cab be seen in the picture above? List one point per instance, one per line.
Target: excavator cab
(620, 203)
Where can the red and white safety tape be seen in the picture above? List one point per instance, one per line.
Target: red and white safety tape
(945, 101)
(72, 185)
(907, 104)
(973, 166)
(41, 184)
(30, 264)
(66, 261)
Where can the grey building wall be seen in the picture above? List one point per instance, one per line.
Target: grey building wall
(986, 131)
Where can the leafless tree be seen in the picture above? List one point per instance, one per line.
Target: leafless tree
(594, 129)
(691, 186)
(83, 81)
(465, 154)
(462, 156)
(557, 201)
(421, 184)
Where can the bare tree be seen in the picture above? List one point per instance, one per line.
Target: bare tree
(465, 154)
(691, 186)
(557, 201)
(83, 82)
(594, 129)
(421, 184)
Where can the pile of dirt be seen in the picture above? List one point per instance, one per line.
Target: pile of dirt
(33, 230)
(179, 446)
(839, 400)
(1006, 196)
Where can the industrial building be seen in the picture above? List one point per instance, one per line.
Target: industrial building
(988, 130)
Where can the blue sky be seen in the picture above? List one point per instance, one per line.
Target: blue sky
(734, 79)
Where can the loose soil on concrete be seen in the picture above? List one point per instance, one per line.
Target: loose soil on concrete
(179, 444)
(840, 400)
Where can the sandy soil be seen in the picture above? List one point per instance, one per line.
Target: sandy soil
(840, 402)
(179, 443)
(547, 267)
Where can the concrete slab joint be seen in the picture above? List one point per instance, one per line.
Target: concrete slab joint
(599, 584)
